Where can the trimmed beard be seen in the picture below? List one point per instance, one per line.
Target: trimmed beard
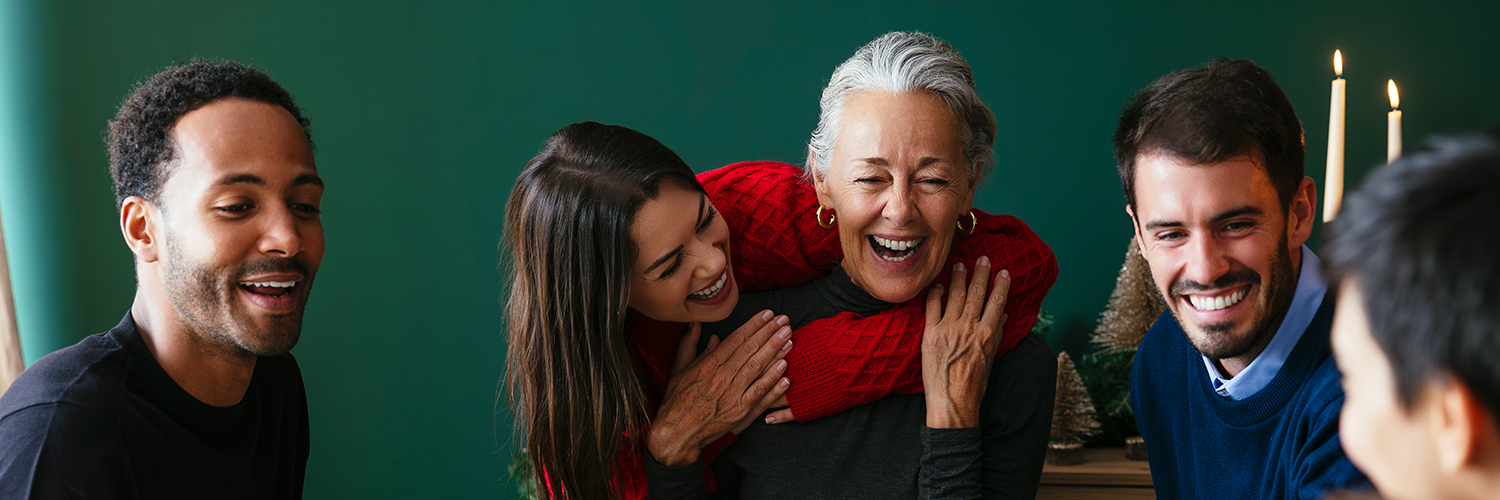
(206, 299)
(1216, 340)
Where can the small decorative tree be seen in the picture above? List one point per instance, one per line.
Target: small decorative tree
(1133, 306)
(1072, 416)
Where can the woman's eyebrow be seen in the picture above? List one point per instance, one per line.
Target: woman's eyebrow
(664, 259)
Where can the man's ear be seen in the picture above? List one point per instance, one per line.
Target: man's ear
(1135, 225)
(1459, 425)
(1302, 213)
(139, 223)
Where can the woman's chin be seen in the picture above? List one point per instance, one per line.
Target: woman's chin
(894, 289)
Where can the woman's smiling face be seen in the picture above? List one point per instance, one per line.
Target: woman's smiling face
(898, 181)
(681, 271)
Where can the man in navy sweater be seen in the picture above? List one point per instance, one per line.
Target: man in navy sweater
(1233, 388)
(193, 394)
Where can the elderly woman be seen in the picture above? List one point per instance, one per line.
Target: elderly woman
(902, 142)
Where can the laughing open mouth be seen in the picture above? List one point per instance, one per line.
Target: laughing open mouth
(895, 250)
(268, 288)
(712, 290)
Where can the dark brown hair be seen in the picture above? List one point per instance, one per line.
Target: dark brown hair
(572, 384)
(1209, 114)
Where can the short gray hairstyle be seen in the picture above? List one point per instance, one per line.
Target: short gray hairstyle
(899, 62)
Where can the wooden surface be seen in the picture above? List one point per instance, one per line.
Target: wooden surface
(1104, 474)
(1047, 492)
(11, 362)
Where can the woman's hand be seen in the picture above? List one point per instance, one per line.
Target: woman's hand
(959, 345)
(713, 393)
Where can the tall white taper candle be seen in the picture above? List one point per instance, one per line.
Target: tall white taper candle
(1393, 125)
(1333, 185)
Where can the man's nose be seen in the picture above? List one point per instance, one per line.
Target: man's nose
(280, 237)
(1206, 262)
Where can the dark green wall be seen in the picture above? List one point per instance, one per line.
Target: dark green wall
(424, 114)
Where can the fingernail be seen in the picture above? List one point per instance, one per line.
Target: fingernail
(787, 346)
(766, 315)
(784, 333)
(770, 419)
(1005, 273)
(785, 382)
(781, 366)
(959, 268)
(984, 260)
(781, 320)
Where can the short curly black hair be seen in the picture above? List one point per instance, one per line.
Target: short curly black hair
(140, 139)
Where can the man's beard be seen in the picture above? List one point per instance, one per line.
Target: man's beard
(1218, 340)
(206, 298)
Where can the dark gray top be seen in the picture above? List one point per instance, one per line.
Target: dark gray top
(881, 449)
(102, 419)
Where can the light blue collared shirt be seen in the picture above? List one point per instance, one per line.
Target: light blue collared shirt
(1305, 302)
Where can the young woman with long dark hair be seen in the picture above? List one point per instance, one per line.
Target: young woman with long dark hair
(581, 216)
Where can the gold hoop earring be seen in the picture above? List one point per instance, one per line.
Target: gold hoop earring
(832, 217)
(973, 223)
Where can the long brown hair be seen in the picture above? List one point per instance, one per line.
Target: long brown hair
(572, 385)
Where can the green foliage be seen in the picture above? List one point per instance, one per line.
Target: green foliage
(1107, 376)
(523, 475)
(1043, 323)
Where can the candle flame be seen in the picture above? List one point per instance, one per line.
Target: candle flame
(1390, 88)
(1338, 64)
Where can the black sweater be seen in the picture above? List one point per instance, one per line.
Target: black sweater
(101, 419)
(881, 449)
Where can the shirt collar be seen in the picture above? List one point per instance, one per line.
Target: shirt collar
(1305, 302)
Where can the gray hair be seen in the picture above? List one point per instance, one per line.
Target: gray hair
(899, 62)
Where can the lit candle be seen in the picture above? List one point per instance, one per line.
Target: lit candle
(1393, 129)
(1333, 187)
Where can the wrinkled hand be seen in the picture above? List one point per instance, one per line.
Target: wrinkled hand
(958, 345)
(712, 393)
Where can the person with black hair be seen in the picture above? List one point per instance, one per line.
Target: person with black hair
(1233, 387)
(1417, 332)
(194, 394)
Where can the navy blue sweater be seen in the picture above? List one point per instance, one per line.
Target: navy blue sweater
(1281, 442)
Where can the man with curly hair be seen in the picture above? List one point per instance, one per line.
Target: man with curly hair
(193, 394)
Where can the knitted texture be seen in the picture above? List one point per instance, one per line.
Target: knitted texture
(848, 359)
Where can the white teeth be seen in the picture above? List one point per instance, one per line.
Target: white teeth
(712, 290)
(277, 284)
(898, 246)
(1216, 303)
